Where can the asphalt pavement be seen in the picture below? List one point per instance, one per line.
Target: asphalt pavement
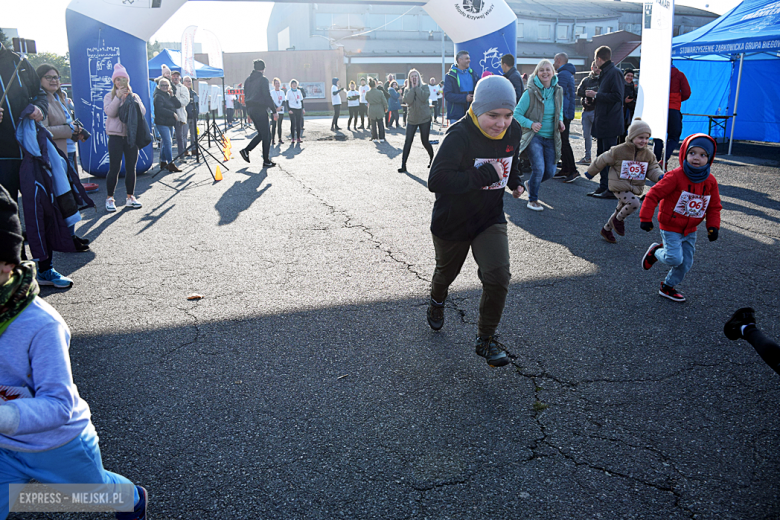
(306, 383)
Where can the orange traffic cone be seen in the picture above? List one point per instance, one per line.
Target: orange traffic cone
(218, 176)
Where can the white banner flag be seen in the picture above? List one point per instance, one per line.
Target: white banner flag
(188, 51)
(652, 103)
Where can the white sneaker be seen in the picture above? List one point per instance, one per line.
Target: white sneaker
(132, 202)
(381, 140)
(374, 140)
(110, 205)
(535, 206)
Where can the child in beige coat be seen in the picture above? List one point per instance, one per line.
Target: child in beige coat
(630, 164)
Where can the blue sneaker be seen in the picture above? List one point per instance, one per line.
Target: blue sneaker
(139, 513)
(52, 277)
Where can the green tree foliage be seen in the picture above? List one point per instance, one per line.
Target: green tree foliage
(5, 40)
(153, 49)
(61, 62)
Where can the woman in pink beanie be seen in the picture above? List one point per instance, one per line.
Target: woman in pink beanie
(118, 145)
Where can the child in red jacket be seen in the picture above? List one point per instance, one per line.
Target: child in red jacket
(687, 195)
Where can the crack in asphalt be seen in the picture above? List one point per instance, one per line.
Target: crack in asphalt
(333, 210)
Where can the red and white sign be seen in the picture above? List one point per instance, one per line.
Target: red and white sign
(505, 162)
(633, 170)
(692, 205)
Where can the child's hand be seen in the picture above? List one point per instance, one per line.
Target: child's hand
(712, 234)
(518, 192)
(647, 226)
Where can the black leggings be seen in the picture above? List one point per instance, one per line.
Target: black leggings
(363, 108)
(392, 115)
(353, 114)
(118, 146)
(336, 113)
(425, 132)
(296, 122)
(276, 126)
(766, 348)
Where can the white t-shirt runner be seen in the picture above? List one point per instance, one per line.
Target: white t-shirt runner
(278, 96)
(335, 98)
(434, 93)
(294, 99)
(352, 102)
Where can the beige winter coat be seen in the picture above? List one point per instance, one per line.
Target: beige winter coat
(628, 167)
(56, 123)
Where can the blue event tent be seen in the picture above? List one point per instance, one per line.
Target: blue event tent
(732, 65)
(172, 59)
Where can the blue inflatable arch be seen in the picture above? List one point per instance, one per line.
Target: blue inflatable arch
(104, 32)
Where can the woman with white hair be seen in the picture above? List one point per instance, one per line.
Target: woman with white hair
(540, 113)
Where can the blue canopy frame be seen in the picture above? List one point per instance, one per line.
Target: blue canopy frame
(173, 60)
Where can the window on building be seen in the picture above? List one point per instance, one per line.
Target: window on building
(579, 30)
(597, 32)
(341, 21)
(323, 20)
(394, 23)
(520, 30)
(410, 22)
(357, 21)
(375, 20)
(544, 31)
(676, 30)
(563, 33)
(609, 30)
(427, 24)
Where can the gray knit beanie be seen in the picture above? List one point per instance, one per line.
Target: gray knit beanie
(493, 92)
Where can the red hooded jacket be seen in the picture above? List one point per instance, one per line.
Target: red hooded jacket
(679, 89)
(683, 203)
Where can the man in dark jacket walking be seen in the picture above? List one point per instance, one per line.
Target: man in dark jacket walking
(609, 113)
(259, 103)
(459, 85)
(566, 71)
(514, 77)
(589, 82)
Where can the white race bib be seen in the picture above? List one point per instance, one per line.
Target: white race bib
(692, 205)
(505, 162)
(633, 170)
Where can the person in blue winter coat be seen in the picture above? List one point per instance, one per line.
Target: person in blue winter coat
(46, 433)
(566, 73)
(459, 85)
(393, 105)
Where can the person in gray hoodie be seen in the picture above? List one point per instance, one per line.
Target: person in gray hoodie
(46, 433)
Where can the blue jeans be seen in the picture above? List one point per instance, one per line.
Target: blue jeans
(77, 462)
(166, 150)
(677, 253)
(541, 153)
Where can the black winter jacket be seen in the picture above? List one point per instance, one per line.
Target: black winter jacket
(609, 103)
(589, 82)
(257, 93)
(164, 108)
(516, 79)
(463, 209)
(25, 89)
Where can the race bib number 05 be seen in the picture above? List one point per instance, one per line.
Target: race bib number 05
(633, 170)
(506, 164)
(692, 205)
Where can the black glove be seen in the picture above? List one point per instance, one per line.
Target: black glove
(647, 226)
(712, 234)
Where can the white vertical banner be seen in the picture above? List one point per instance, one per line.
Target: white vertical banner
(188, 51)
(652, 103)
(213, 48)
